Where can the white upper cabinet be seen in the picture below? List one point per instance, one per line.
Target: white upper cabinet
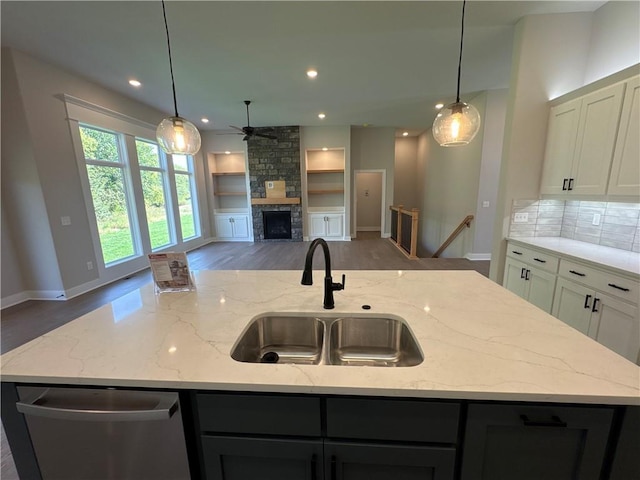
(561, 147)
(625, 170)
(591, 139)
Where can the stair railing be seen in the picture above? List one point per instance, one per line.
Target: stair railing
(465, 223)
(404, 229)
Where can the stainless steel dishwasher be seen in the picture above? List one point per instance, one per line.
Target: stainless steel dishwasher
(102, 433)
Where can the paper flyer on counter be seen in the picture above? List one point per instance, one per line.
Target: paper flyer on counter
(171, 272)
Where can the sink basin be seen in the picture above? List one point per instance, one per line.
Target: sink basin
(381, 341)
(294, 339)
(377, 341)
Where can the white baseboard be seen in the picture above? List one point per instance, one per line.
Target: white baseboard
(386, 235)
(477, 256)
(56, 295)
(367, 229)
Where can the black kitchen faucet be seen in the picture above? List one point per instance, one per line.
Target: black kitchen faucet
(307, 278)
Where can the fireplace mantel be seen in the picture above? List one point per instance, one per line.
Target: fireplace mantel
(276, 201)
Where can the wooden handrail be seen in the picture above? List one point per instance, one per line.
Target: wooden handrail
(465, 223)
(413, 246)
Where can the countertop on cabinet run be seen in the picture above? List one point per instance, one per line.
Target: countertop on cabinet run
(479, 341)
(623, 261)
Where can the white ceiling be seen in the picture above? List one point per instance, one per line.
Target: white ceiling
(381, 63)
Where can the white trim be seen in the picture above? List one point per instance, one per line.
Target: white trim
(369, 229)
(478, 256)
(385, 235)
(81, 110)
(57, 295)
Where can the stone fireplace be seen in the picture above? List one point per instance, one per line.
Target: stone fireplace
(273, 160)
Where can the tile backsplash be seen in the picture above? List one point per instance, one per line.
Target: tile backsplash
(611, 224)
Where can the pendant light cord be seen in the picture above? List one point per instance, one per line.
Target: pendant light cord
(173, 83)
(460, 57)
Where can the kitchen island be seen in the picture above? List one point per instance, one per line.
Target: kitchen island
(481, 345)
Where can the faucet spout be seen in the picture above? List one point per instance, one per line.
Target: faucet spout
(307, 275)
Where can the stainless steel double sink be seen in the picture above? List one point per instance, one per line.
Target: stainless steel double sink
(378, 341)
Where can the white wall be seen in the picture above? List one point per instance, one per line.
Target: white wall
(615, 40)
(373, 148)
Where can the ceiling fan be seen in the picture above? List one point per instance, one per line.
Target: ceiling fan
(250, 131)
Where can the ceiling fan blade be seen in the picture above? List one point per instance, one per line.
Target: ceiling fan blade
(264, 135)
(246, 137)
(237, 128)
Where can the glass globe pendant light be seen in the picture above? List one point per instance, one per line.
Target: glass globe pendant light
(176, 135)
(457, 123)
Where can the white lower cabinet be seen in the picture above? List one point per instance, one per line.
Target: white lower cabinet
(608, 320)
(232, 227)
(326, 225)
(530, 283)
(594, 300)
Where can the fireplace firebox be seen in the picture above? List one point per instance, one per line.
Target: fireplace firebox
(277, 225)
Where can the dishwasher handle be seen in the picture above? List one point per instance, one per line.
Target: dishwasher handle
(166, 404)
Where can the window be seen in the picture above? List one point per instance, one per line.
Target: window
(186, 192)
(110, 192)
(153, 176)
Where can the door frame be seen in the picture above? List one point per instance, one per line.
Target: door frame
(383, 213)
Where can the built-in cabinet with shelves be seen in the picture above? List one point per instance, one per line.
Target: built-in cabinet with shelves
(591, 149)
(594, 300)
(231, 209)
(325, 182)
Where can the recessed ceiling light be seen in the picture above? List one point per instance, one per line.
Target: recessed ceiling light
(134, 83)
(228, 152)
(439, 105)
(321, 116)
(324, 149)
(405, 134)
(312, 73)
(204, 120)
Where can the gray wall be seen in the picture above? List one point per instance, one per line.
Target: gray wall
(373, 148)
(40, 177)
(405, 189)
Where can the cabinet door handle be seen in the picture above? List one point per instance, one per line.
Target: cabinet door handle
(540, 260)
(586, 301)
(526, 274)
(334, 468)
(570, 184)
(613, 285)
(595, 304)
(564, 184)
(314, 467)
(578, 273)
(516, 252)
(522, 272)
(554, 422)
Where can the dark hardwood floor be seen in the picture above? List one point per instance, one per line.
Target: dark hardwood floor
(26, 321)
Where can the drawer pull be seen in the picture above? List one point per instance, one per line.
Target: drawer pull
(586, 301)
(578, 273)
(554, 422)
(595, 304)
(539, 260)
(613, 285)
(516, 252)
(314, 467)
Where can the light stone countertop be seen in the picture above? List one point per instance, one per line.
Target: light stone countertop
(622, 261)
(479, 341)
